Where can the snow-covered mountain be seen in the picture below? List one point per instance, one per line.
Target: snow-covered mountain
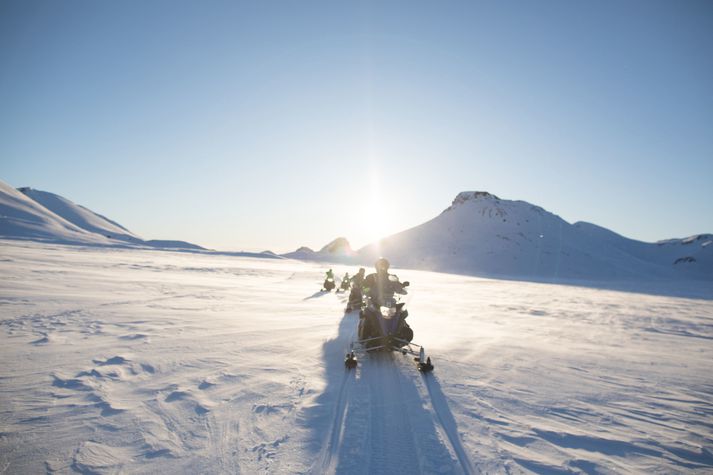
(337, 250)
(482, 234)
(339, 246)
(21, 217)
(304, 253)
(30, 214)
(80, 216)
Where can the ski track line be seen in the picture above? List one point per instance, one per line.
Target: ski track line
(392, 447)
(336, 432)
(223, 430)
(445, 419)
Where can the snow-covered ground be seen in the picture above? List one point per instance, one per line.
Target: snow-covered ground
(120, 360)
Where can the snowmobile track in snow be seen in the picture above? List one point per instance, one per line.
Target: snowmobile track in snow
(446, 421)
(336, 431)
(388, 418)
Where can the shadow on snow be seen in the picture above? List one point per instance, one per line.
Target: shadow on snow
(382, 417)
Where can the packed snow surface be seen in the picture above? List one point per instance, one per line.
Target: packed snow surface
(139, 361)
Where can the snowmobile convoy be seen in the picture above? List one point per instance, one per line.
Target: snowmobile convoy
(382, 327)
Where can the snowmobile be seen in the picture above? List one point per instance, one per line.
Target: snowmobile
(355, 299)
(329, 284)
(344, 286)
(383, 327)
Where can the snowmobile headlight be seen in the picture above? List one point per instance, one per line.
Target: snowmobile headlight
(388, 312)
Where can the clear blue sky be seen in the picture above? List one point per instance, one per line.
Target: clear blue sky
(270, 125)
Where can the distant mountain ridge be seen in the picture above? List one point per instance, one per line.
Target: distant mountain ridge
(337, 250)
(26, 213)
(478, 234)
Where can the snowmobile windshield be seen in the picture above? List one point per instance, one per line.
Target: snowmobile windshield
(388, 312)
(388, 309)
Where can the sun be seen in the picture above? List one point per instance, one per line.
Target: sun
(373, 219)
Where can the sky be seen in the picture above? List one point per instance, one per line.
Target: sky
(277, 124)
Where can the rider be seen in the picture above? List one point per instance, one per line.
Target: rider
(355, 295)
(381, 285)
(358, 279)
(328, 284)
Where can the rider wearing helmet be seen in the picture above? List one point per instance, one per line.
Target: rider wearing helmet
(381, 285)
(358, 279)
(355, 296)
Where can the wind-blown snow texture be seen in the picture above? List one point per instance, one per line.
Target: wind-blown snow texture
(125, 360)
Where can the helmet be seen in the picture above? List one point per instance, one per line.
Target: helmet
(361, 270)
(382, 264)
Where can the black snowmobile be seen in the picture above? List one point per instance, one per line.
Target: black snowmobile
(344, 286)
(355, 299)
(328, 284)
(383, 327)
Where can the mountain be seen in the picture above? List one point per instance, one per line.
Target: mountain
(303, 253)
(26, 213)
(80, 216)
(21, 217)
(337, 250)
(481, 234)
(338, 247)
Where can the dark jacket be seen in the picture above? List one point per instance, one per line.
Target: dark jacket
(358, 280)
(380, 287)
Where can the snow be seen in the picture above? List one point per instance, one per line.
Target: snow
(481, 234)
(80, 216)
(28, 214)
(23, 218)
(139, 361)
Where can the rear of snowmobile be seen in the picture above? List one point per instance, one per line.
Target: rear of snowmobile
(383, 328)
(328, 284)
(344, 285)
(355, 300)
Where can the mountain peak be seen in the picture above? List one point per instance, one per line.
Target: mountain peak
(465, 196)
(338, 246)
